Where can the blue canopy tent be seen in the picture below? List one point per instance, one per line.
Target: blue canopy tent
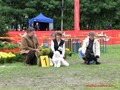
(41, 19)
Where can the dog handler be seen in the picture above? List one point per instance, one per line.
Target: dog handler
(90, 50)
(29, 47)
(58, 44)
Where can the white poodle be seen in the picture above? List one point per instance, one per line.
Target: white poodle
(58, 60)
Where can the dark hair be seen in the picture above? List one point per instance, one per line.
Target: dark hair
(91, 34)
(58, 33)
(30, 29)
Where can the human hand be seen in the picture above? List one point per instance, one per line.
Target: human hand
(37, 50)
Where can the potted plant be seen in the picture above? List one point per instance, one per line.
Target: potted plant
(68, 52)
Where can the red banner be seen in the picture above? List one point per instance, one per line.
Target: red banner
(112, 36)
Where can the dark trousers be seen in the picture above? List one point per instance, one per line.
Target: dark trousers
(90, 56)
(30, 58)
(51, 54)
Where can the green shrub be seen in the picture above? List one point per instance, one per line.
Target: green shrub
(7, 60)
(11, 59)
(1, 45)
(3, 28)
(19, 58)
(10, 46)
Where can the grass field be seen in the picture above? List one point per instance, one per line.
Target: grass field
(75, 77)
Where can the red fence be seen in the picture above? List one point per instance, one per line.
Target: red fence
(112, 36)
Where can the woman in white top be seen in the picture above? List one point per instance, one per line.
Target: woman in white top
(58, 44)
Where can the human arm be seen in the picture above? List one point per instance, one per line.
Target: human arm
(24, 44)
(97, 54)
(52, 46)
(63, 51)
(84, 47)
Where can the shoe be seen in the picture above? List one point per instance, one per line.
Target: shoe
(26, 64)
(84, 59)
(98, 63)
(85, 62)
(88, 63)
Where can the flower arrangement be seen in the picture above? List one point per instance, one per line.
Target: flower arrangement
(10, 57)
(44, 51)
(9, 47)
(6, 57)
(68, 52)
(9, 53)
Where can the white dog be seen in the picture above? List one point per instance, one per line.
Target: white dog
(58, 60)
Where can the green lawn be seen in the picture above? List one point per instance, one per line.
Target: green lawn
(75, 77)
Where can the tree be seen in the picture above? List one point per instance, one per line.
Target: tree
(17, 10)
(3, 28)
(95, 14)
(98, 14)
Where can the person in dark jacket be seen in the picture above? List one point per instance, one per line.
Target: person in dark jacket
(58, 44)
(37, 26)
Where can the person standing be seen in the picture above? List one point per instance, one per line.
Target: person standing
(37, 27)
(29, 47)
(90, 50)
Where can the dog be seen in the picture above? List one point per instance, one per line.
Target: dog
(90, 57)
(58, 60)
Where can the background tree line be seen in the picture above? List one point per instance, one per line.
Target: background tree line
(100, 14)
(18, 12)
(95, 14)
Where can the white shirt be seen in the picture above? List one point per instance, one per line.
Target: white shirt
(52, 47)
(96, 46)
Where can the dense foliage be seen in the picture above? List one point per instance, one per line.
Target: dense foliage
(100, 14)
(95, 14)
(19, 12)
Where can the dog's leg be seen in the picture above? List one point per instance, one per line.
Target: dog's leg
(51, 62)
(54, 62)
(58, 63)
(65, 63)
